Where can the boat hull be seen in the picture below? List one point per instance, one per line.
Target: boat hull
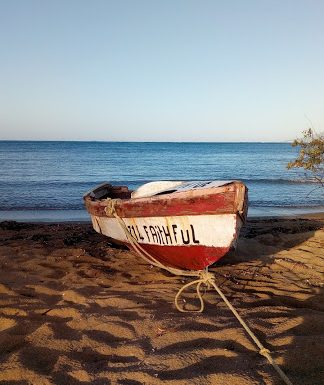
(188, 242)
(188, 228)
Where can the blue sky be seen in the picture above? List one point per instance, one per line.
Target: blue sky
(161, 70)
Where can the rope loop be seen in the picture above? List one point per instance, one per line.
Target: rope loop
(205, 278)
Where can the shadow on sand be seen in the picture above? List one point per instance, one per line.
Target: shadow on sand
(75, 310)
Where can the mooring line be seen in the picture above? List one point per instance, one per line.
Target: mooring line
(204, 277)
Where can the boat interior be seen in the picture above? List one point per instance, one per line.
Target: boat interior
(107, 190)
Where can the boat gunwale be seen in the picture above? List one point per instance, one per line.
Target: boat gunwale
(200, 196)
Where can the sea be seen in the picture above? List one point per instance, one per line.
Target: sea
(45, 181)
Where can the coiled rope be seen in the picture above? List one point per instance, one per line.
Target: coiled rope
(204, 278)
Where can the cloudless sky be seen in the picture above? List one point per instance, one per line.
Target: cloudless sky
(168, 70)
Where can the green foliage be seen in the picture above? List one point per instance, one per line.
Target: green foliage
(311, 154)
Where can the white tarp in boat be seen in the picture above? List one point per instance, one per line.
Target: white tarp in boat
(159, 187)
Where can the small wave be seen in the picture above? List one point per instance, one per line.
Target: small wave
(318, 204)
(280, 181)
(49, 207)
(62, 183)
(130, 182)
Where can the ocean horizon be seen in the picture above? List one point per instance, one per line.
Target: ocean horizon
(137, 141)
(45, 180)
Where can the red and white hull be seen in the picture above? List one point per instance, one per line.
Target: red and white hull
(189, 228)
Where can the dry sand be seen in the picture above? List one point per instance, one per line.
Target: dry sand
(74, 310)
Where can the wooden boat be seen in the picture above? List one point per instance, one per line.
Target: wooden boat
(188, 225)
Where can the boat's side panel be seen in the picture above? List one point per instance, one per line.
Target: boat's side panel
(184, 257)
(207, 204)
(222, 200)
(191, 242)
(207, 230)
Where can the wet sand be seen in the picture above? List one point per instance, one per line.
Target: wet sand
(74, 310)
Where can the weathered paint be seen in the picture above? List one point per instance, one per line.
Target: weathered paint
(189, 229)
(184, 257)
(182, 203)
(203, 230)
(192, 242)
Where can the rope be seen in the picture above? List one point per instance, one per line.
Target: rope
(110, 210)
(204, 278)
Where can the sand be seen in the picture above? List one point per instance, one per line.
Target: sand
(75, 310)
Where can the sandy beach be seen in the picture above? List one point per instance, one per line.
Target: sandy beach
(75, 310)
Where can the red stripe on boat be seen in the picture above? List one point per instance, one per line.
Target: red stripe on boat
(185, 257)
(217, 203)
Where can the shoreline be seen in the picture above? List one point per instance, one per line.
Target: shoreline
(81, 216)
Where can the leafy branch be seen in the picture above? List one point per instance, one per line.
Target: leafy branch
(311, 155)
